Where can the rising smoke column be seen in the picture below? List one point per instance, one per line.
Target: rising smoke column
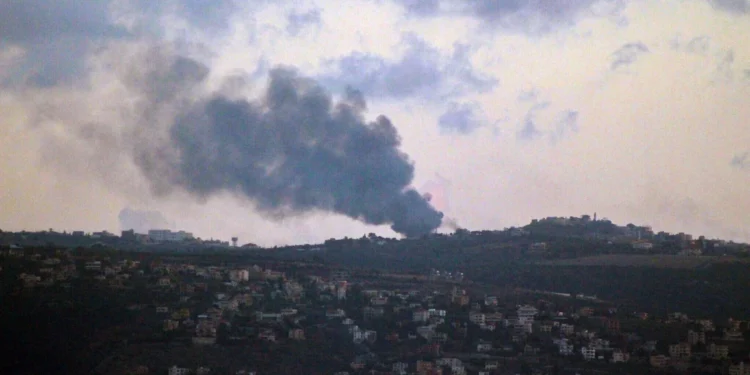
(295, 151)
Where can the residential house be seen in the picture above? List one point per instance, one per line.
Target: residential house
(619, 356)
(174, 370)
(477, 318)
(695, 337)
(426, 331)
(733, 335)
(718, 351)
(493, 317)
(373, 312)
(297, 334)
(267, 335)
(400, 368)
(171, 325)
(421, 315)
(335, 313)
(739, 369)
(484, 346)
(564, 346)
(379, 301)
(567, 329)
(658, 361)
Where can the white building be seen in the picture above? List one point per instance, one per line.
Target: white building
(174, 370)
(620, 356)
(567, 329)
(400, 368)
(565, 348)
(484, 346)
(436, 312)
(588, 353)
(166, 235)
(526, 313)
(681, 350)
(426, 331)
(341, 290)
(421, 316)
(239, 275)
(739, 369)
(642, 245)
(476, 318)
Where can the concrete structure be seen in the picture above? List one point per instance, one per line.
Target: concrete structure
(166, 235)
(239, 275)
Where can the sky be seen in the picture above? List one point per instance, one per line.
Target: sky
(133, 113)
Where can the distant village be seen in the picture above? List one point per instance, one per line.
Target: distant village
(355, 322)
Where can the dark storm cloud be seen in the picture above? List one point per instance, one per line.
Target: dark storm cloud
(58, 35)
(34, 21)
(55, 34)
(628, 54)
(298, 21)
(295, 150)
(459, 118)
(733, 6)
(204, 16)
(421, 7)
(422, 71)
(528, 16)
(298, 151)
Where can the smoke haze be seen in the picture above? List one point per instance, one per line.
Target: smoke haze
(296, 150)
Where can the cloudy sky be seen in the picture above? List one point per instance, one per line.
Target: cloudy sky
(508, 110)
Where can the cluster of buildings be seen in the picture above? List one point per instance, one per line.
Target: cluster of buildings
(433, 328)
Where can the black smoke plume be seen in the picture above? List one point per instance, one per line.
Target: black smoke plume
(296, 150)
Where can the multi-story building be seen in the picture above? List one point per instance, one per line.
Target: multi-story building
(297, 334)
(239, 275)
(695, 337)
(718, 351)
(588, 353)
(619, 356)
(612, 325)
(373, 312)
(567, 329)
(174, 370)
(421, 315)
(526, 313)
(659, 361)
(679, 351)
(739, 369)
(166, 235)
(477, 318)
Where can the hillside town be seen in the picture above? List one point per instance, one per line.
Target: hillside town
(184, 314)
